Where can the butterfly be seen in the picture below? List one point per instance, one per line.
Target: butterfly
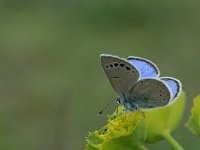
(138, 83)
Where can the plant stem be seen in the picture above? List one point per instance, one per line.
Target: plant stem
(143, 148)
(171, 141)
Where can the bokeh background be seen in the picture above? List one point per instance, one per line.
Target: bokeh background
(52, 84)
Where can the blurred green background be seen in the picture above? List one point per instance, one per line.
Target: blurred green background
(52, 84)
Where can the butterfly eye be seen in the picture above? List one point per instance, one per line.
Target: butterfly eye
(107, 66)
(111, 65)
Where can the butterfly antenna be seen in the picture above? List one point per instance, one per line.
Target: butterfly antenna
(105, 107)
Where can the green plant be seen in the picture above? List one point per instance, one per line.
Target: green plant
(193, 123)
(131, 130)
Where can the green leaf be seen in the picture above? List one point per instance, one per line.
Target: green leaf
(164, 120)
(127, 132)
(193, 123)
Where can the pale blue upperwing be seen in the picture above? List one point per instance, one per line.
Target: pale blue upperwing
(145, 67)
(174, 85)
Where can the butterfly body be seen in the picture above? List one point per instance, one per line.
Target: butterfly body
(138, 85)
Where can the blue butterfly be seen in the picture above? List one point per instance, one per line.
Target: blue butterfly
(137, 83)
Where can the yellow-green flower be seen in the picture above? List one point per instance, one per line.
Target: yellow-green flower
(127, 132)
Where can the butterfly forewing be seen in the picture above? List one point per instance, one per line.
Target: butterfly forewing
(148, 93)
(121, 74)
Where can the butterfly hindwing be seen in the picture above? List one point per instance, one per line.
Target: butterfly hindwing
(149, 93)
(121, 74)
(174, 85)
